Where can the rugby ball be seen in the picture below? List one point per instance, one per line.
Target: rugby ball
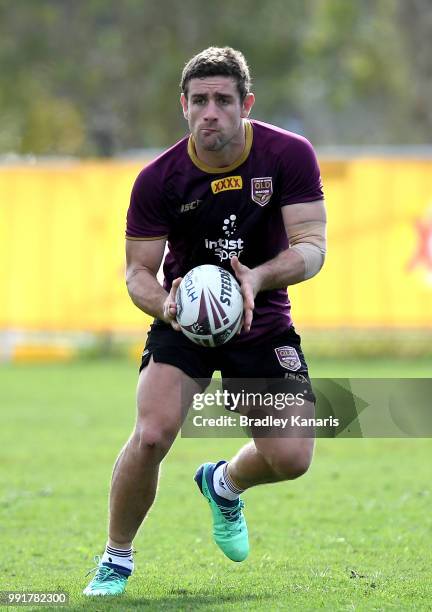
(209, 305)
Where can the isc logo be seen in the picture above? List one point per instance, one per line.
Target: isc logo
(190, 206)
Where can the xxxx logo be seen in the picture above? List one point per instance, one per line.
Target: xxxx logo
(226, 184)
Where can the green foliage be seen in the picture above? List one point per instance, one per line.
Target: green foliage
(95, 77)
(52, 125)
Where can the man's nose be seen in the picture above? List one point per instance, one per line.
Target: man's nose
(211, 111)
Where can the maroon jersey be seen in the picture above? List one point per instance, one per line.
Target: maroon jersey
(210, 214)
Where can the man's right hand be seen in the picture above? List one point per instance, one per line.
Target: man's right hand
(170, 307)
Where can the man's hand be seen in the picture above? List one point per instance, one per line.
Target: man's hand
(170, 307)
(250, 285)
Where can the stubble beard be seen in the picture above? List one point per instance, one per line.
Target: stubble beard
(217, 143)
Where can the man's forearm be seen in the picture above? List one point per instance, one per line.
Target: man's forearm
(287, 268)
(146, 292)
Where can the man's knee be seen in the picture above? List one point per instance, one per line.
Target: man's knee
(292, 464)
(152, 439)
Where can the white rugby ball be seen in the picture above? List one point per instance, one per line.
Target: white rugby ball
(209, 305)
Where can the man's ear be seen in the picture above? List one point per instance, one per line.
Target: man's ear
(183, 102)
(248, 102)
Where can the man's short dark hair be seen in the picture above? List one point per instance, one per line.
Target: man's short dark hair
(218, 61)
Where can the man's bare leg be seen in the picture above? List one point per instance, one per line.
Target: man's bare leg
(250, 467)
(268, 459)
(164, 394)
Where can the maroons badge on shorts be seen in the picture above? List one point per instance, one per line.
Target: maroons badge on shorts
(288, 358)
(262, 190)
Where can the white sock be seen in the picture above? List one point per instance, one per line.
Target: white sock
(223, 485)
(120, 557)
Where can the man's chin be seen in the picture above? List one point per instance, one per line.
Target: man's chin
(212, 142)
(209, 147)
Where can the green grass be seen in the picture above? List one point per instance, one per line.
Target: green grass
(374, 367)
(352, 534)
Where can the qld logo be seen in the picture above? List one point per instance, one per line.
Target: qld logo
(262, 190)
(288, 358)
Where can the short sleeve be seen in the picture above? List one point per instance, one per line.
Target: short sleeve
(300, 174)
(146, 216)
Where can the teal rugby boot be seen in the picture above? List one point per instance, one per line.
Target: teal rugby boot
(229, 526)
(107, 581)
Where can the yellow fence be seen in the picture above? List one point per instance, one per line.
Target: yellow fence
(62, 247)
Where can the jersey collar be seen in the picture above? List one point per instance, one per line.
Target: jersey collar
(205, 168)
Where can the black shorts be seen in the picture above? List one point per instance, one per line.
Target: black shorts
(279, 357)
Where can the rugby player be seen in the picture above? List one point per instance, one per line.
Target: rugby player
(247, 196)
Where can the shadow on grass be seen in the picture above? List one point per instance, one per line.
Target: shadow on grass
(180, 600)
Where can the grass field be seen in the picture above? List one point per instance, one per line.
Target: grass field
(352, 534)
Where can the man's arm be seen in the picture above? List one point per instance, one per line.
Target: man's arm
(143, 260)
(305, 227)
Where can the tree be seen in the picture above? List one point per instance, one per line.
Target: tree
(96, 77)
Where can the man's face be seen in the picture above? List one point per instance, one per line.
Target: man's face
(214, 111)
